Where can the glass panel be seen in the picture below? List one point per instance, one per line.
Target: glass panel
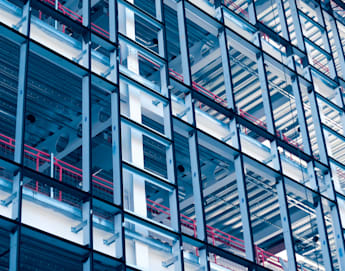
(309, 120)
(206, 5)
(330, 116)
(102, 161)
(184, 180)
(9, 66)
(238, 24)
(173, 46)
(149, 249)
(338, 174)
(327, 209)
(141, 66)
(268, 14)
(181, 103)
(147, 197)
(40, 251)
(265, 218)
(311, 30)
(5, 248)
(238, 7)
(335, 145)
(151, 110)
(294, 167)
(149, 6)
(255, 145)
(221, 201)
(57, 36)
(218, 262)
(341, 207)
(302, 210)
(283, 104)
(72, 9)
(100, 18)
(146, 150)
(106, 228)
(212, 122)
(194, 255)
(205, 59)
(103, 58)
(318, 59)
(139, 27)
(53, 128)
(53, 210)
(8, 174)
(12, 14)
(102, 262)
(246, 83)
(308, 9)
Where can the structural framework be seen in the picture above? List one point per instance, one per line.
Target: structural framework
(172, 135)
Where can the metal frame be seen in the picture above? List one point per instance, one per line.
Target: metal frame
(173, 125)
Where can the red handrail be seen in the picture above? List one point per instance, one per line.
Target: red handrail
(215, 234)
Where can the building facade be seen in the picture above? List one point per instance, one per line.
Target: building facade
(172, 135)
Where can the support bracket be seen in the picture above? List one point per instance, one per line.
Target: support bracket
(111, 239)
(79, 227)
(8, 200)
(169, 262)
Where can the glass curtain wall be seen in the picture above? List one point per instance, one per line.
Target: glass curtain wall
(172, 135)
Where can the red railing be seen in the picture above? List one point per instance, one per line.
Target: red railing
(219, 237)
(262, 124)
(64, 170)
(236, 7)
(337, 8)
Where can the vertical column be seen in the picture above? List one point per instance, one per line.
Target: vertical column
(337, 228)
(282, 19)
(286, 224)
(239, 165)
(301, 113)
(313, 178)
(14, 256)
(321, 226)
(336, 225)
(198, 193)
(317, 123)
(117, 172)
(113, 37)
(280, 186)
(297, 25)
(192, 140)
(115, 107)
(338, 233)
(338, 43)
(251, 11)
(327, 45)
(341, 57)
(183, 38)
(116, 132)
(320, 140)
(86, 135)
(135, 138)
(168, 126)
(265, 91)
(299, 36)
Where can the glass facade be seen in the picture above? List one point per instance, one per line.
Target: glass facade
(172, 135)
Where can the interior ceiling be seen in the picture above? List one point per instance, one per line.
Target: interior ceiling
(46, 87)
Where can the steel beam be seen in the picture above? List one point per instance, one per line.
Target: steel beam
(183, 38)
